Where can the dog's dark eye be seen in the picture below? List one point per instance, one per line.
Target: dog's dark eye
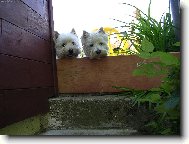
(101, 43)
(63, 44)
(91, 45)
(73, 43)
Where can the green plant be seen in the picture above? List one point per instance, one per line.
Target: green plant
(164, 101)
(160, 33)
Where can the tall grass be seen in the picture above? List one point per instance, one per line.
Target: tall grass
(159, 33)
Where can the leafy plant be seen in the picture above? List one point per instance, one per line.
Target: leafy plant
(164, 101)
(159, 33)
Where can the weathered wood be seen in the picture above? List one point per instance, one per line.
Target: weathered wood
(23, 103)
(22, 73)
(23, 16)
(88, 76)
(18, 42)
(40, 6)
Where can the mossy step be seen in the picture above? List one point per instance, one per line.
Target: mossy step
(93, 112)
(91, 132)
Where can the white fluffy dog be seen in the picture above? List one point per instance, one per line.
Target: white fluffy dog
(95, 45)
(67, 44)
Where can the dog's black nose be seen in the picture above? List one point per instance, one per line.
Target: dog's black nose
(70, 51)
(98, 51)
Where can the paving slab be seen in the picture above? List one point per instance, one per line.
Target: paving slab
(91, 132)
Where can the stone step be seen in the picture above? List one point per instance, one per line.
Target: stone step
(94, 112)
(91, 132)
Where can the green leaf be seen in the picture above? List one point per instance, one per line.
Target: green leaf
(152, 124)
(151, 97)
(148, 70)
(176, 44)
(155, 89)
(144, 55)
(147, 46)
(166, 131)
(169, 59)
(138, 72)
(160, 108)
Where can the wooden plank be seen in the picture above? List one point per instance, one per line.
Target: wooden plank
(23, 16)
(88, 76)
(23, 103)
(40, 6)
(20, 73)
(18, 42)
(51, 25)
(2, 108)
(0, 27)
(98, 76)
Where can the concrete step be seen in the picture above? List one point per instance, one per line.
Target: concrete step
(94, 112)
(91, 132)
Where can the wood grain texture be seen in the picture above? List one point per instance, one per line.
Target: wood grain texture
(18, 42)
(23, 16)
(23, 103)
(20, 73)
(27, 69)
(40, 6)
(98, 76)
(88, 76)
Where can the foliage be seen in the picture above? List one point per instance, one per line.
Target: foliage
(164, 100)
(160, 33)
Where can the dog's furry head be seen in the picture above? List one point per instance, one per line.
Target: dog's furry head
(67, 44)
(95, 45)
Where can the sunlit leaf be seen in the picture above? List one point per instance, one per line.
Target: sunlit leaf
(147, 46)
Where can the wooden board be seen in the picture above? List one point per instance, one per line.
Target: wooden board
(27, 59)
(23, 103)
(25, 17)
(88, 76)
(18, 42)
(20, 73)
(40, 6)
(98, 76)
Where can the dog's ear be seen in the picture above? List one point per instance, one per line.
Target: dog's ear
(101, 30)
(85, 34)
(73, 32)
(56, 34)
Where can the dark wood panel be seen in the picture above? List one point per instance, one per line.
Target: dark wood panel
(21, 15)
(0, 26)
(20, 73)
(40, 6)
(23, 103)
(51, 25)
(2, 109)
(18, 42)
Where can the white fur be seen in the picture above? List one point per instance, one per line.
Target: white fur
(95, 45)
(67, 45)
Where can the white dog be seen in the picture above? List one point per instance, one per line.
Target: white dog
(67, 44)
(95, 45)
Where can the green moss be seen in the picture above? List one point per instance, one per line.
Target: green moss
(28, 126)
